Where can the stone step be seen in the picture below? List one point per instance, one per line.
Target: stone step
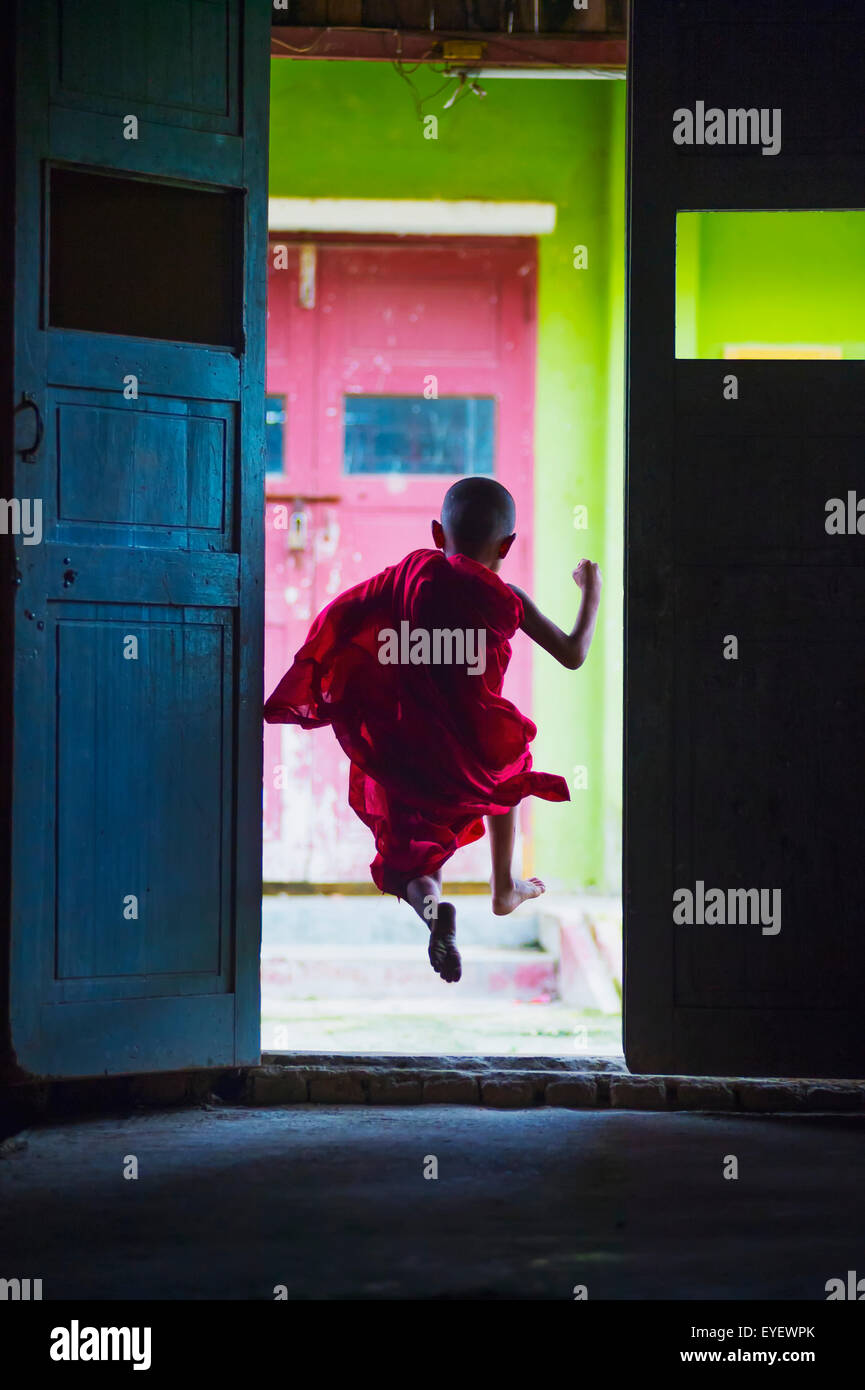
(359, 920)
(384, 971)
(585, 936)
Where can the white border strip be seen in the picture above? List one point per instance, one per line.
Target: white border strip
(572, 74)
(403, 217)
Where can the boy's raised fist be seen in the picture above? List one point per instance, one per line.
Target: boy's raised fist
(587, 575)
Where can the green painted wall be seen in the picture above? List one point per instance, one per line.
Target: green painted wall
(352, 130)
(770, 277)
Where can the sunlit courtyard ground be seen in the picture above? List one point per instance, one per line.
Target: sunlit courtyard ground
(455, 1025)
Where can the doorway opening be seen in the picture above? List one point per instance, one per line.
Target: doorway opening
(430, 317)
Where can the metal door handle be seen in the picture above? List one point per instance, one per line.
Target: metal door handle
(25, 402)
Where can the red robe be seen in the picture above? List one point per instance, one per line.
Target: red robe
(432, 748)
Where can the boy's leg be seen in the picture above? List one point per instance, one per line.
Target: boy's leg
(507, 892)
(424, 895)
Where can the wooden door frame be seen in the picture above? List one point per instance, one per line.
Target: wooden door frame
(516, 51)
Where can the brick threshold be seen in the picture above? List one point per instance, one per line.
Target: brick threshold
(581, 1083)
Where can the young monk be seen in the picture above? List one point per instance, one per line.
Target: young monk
(407, 669)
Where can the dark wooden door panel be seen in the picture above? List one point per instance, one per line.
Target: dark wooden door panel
(745, 616)
(763, 811)
(763, 497)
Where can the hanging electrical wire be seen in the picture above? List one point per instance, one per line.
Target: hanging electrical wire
(463, 90)
(405, 73)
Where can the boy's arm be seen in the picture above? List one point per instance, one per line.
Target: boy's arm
(569, 648)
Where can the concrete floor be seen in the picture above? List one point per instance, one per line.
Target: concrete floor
(333, 1204)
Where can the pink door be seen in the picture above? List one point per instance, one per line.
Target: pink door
(398, 368)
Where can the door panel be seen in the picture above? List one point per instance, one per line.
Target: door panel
(112, 829)
(399, 338)
(785, 748)
(163, 476)
(138, 633)
(178, 61)
(741, 764)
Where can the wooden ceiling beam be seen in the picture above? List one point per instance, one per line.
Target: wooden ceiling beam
(425, 46)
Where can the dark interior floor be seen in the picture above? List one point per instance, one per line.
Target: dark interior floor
(333, 1203)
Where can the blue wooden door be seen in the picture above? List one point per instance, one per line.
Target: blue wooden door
(139, 371)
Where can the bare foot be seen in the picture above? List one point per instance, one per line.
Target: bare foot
(443, 954)
(520, 889)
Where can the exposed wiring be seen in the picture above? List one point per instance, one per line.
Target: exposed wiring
(463, 90)
(405, 73)
(418, 100)
(291, 48)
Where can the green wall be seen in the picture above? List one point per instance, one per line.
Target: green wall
(770, 277)
(345, 129)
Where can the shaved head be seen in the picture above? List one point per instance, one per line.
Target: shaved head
(477, 514)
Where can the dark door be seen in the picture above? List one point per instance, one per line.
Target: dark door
(139, 372)
(743, 759)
